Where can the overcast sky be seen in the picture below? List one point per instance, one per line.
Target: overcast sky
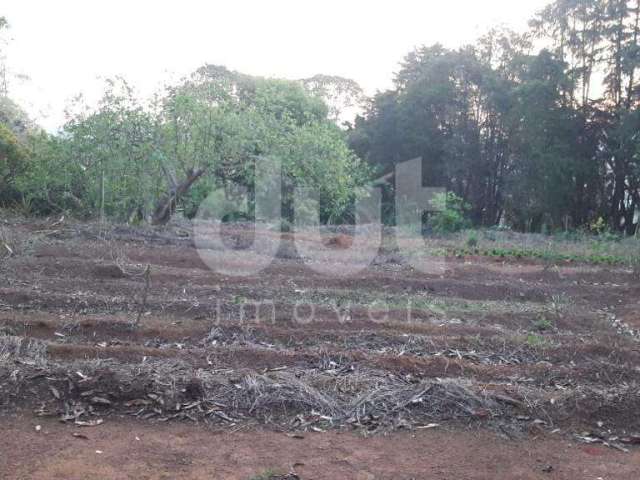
(66, 45)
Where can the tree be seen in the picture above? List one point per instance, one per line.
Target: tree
(494, 125)
(623, 58)
(520, 135)
(546, 155)
(13, 160)
(115, 149)
(4, 88)
(224, 122)
(602, 36)
(207, 132)
(342, 95)
(449, 109)
(576, 29)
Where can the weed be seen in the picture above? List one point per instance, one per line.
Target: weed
(451, 214)
(543, 325)
(545, 255)
(536, 341)
(269, 475)
(472, 240)
(266, 475)
(12, 243)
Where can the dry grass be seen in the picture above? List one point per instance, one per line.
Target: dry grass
(16, 242)
(14, 349)
(434, 400)
(264, 395)
(293, 398)
(10, 243)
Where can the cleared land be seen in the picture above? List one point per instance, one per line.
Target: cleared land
(538, 355)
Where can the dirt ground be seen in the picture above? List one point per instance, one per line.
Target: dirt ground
(493, 368)
(125, 450)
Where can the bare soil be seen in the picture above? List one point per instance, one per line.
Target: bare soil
(144, 450)
(517, 363)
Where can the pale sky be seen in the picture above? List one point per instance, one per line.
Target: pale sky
(66, 45)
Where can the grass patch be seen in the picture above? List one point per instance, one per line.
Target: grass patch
(266, 475)
(543, 324)
(537, 341)
(566, 248)
(545, 255)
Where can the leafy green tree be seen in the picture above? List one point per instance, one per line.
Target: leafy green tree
(602, 36)
(544, 144)
(15, 118)
(342, 95)
(448, 108)
(13, 160)
(224, 122)
(206, 132)
(114, 148)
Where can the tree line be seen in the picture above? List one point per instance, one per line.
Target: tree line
(131, 160)
(534, 130)
(533, 139)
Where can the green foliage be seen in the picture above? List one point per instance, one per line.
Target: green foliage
(269, 120)
(450, 109)
(520, 137)
(13, 161)
(472, 240)
(51, 183)
(536, 341)
(450, 214)
(339, 93)
(519, 253)
(561, 248)
(104, 161)
(598, 226)
(122, 156)
(13, 117)
(266, 475)
(543, 325)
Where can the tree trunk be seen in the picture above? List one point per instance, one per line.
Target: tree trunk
(617, 200)
(166, 205)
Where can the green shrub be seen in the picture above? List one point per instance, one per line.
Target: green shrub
(598, 226)
(472, 240)
(451, 214)
(12, 161)
(536, 341)
(267, 475)
(543, 325)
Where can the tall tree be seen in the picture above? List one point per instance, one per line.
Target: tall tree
(343, 96)
(4, 26)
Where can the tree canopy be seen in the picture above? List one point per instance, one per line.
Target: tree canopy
(525, 137)
(123, 155)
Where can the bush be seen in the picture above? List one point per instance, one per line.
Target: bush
(598, 226)
(543, 325)
(12, 162)
(451, 214)
(472, 240)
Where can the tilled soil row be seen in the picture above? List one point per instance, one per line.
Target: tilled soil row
(518, 347)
